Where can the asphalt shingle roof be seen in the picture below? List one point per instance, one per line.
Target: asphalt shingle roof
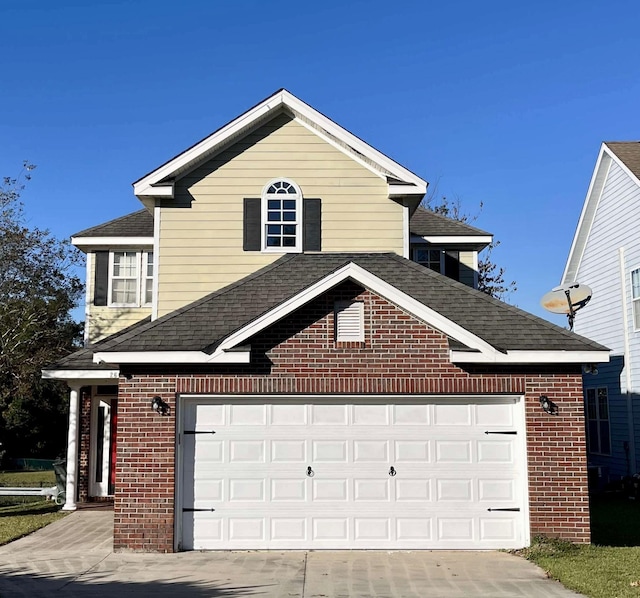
(426, 223)
(138, 224)
(202, 325)
(628, 152)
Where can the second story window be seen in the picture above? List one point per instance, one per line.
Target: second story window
(446, 262)
(281, 216)
(130, 278)
(635, 295)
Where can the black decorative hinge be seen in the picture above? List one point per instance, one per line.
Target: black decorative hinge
(506, 432)
(199, 432)
(192, 510)
(506, 509)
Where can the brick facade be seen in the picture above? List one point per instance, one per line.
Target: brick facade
(400, 355)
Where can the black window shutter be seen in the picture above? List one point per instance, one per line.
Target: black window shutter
(312, 239)
(251, 236)
(101, 286)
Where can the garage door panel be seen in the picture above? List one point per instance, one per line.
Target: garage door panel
(329, 451)
(288, 415)
(288, 451)
(447, 475)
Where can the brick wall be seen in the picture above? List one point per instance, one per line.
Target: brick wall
(298, 355)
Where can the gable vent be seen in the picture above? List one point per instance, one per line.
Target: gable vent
(349, 316)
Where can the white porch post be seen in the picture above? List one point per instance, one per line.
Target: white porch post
(72, 449)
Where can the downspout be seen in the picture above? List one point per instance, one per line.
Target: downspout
(627, 362)
(72, 450)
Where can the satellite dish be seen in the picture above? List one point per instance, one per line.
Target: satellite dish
(567, 299)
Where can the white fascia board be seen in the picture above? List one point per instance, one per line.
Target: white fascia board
(404, 190)
(524, 357)
(375, 284)
(145, 186)
(154, 191)
(587, 216)
(457, 239)
(170, 357)
(84, 375)
(111, 241)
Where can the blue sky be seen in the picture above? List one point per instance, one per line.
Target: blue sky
(504, 103)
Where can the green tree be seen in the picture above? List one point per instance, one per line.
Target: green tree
(491, 277)
(38, 290)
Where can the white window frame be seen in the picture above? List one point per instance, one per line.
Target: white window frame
(141, 277)
(353, 310)
(635, 300)
(597, 419)
(298, 222)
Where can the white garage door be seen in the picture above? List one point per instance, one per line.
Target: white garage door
(293, 474)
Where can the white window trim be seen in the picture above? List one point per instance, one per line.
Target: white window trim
(264, 197)
(597, 419)
(141, 278)
(635, 301)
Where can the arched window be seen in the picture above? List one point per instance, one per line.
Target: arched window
(281, 216)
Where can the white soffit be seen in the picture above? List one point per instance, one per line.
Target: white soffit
(154, 184)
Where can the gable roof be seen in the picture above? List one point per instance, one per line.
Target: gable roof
(216, 328)
(159, 182)
(625, 154)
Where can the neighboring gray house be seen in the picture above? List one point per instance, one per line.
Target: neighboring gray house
(605, 255)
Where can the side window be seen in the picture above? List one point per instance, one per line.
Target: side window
(445, 262)
(123, 278)
(598, 432)
(282, 220)
(281, 216)
(635, 295)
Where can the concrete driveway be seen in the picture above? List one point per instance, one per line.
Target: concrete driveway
(74, 557)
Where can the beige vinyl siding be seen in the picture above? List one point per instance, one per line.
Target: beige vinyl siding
(102, 321)
(467, 268)
(201, 230)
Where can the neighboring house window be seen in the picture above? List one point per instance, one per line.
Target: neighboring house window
(349, 321)
(130, 282)
(635, 291)
(598, 433)
(446, 262)
(282, 220)
(281, 216)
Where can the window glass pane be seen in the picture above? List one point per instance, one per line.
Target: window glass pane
(273, 241)
(591, 404)
(124, 291)
(604, 437)
(124, 264)
(273, 204)
(289, 216)
(289, 242)
(592, 435)
(289, 229)
(636, 314)
(274, 229)
(150, 263)
(603, 404)
(289, 204)
(635, 283)
(148, 291)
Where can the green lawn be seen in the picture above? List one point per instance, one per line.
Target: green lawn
(610, 566)
(21, 515)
